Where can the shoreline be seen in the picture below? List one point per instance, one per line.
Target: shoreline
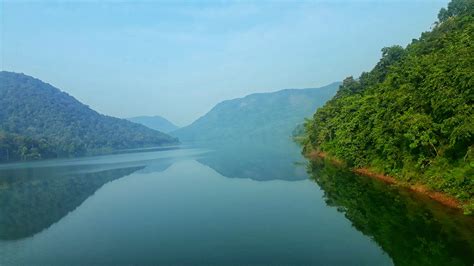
(440, 197)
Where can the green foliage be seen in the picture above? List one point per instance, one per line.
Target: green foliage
(455, 8)
(39, 121)
(16, 147)
(412, 115)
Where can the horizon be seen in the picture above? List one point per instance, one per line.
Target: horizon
(313, 132)
(159, 116)
(146, 59)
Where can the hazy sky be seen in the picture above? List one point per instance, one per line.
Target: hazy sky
(179, 58)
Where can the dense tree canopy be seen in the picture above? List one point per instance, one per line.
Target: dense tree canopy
(39, 121)
(412, 115)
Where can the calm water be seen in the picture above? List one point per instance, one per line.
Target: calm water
(240, 204)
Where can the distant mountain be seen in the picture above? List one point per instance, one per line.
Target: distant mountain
(261, 114)
(155, 122)
(38, 120)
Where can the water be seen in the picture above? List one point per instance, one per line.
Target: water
(239, 204)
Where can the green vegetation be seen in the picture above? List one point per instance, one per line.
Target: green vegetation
(412, 116)
(16, 147)
(38, 121)
(256, 115)
(412, 230)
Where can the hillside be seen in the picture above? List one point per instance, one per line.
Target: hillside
(412, 115)
(155, 122)
(38, 120)
(260, 114)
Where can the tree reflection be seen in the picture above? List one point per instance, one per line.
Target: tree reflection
(34, 202)
(412, 230)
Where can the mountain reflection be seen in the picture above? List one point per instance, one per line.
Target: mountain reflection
(257, 160)
(35, 195)
(412, 231)
(31, 201)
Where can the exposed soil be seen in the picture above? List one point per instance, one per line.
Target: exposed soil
(440, 197)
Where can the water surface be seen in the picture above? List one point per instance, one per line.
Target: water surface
(233, 204)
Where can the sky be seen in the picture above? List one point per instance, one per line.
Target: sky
(178, 59)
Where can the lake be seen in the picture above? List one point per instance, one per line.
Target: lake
(221, 204)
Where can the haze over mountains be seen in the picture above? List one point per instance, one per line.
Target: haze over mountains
(257, 115)
(155, 122)
(38, 121)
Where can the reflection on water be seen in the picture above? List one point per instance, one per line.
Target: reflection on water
(28, 205)
(35, 195)
(261, 160)
(208, 206)
(413, 230)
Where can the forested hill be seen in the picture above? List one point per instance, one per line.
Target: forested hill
(155, 122)
(37, 120)
(257, 115)
(412, 115)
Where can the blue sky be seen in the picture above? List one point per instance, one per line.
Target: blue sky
(179, 58)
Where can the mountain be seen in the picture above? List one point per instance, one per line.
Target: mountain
(38, 120)
(256, 115)
(155, 122)
(412, 115)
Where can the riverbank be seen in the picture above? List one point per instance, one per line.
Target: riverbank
(440, 197)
